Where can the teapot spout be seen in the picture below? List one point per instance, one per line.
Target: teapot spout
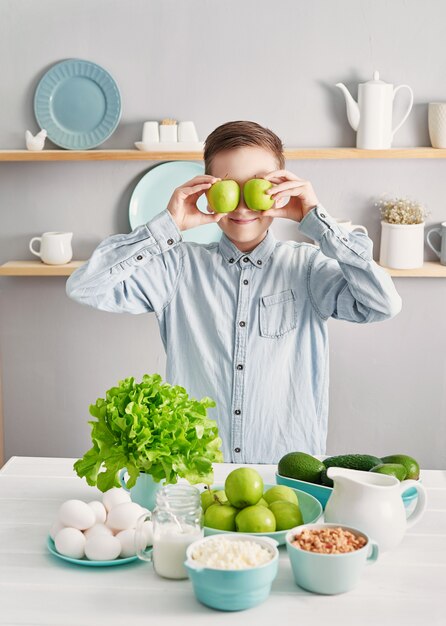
(353, 113)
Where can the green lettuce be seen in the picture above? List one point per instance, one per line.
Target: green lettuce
(150, 427)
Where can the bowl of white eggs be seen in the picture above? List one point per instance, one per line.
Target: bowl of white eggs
(99, 533)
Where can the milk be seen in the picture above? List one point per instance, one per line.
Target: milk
(169, 549)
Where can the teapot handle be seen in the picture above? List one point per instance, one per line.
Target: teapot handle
(421, 501)
(409, 108)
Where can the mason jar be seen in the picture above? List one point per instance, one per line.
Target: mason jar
(177, 521)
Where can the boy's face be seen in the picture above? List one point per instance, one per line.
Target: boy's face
(245, 228)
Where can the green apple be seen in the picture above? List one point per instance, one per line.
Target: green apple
(280, 492)
(223, 196)
(287, 514)
(255, 197)
(244, 487)
(221, 517)
(262, 502)
(212, 496)
(255, 519)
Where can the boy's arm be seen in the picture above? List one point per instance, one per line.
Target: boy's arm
(134, 273)
(343, 280)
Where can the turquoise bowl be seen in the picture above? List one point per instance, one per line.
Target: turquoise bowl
(322, 493)
(329, 574)
(310, 508)
(236, 589)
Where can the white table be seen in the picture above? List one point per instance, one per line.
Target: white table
(406, 587)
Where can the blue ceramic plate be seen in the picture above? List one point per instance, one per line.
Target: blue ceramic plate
(87, 562)
(310, 508)
(153, 192)
(322, 493)
(78, 103)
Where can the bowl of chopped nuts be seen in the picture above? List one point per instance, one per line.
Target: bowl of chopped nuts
(329, 558)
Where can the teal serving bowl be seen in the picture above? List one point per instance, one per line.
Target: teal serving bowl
(309, 505)
(232, 589)
(322, 493)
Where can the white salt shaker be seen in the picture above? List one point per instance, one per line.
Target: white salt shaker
(187, 132)
(150, 132)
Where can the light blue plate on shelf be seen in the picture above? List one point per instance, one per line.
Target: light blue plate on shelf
(78, 103)
(310, 508)
(52, 548)
(153, 192)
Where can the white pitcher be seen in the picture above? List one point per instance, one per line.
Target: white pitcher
(372, 503)
(55, 248)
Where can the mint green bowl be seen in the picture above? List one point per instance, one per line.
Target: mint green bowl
(322, 493)
(310, 507)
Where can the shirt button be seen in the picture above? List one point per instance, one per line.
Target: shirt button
(242, 324)
(237, 450)
(231, 260)
(170, 242)
(259, 262)
(245, 282)
(322, 214)
(239, 366)
(344, 239)
(139, 257)
(246, 259)
(237, 411)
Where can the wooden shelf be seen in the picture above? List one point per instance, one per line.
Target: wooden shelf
(430, 269)
(37, 268)
(290, 154)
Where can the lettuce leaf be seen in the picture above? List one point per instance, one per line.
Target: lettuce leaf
(150, 427)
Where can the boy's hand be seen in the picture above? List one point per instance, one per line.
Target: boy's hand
(300, 192)
(183, 203)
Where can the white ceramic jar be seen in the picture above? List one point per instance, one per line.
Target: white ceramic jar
(402, 245)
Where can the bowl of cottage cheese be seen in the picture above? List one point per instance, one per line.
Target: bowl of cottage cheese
(232, 572)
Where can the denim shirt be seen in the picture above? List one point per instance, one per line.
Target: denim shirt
(247, 329)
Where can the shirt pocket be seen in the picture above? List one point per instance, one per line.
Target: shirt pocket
(277, 313)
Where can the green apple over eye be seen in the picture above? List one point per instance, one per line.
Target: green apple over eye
(255, 197)
(223, 196)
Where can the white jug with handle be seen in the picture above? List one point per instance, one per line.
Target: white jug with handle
(372, 503)
(371, 116)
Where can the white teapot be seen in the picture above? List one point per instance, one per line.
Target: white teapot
(371, 116)
(372, 502)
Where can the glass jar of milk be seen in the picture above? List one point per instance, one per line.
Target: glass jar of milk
(177, 522)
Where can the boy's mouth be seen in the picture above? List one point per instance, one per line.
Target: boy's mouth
(243, 221)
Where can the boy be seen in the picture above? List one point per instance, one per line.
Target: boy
(244, 320)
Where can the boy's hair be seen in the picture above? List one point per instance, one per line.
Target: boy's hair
(238, 134)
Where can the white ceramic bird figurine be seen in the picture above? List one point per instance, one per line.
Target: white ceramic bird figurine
(37, 142)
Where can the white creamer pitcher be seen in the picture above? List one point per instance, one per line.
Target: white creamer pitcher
(372, 503)
(55, 248)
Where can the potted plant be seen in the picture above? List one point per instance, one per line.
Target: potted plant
(402, 232)
(153, 431)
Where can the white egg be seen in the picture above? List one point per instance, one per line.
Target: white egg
(55, 529)
(102, 548)
(76, 514)
(98, 529)
(115, 496)
(123, 516)
(127, 539)
(70, 542)
(148, 532)
(99, 511)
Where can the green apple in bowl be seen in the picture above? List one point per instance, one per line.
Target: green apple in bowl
(243, 487)
(223, 196)
(254, 193)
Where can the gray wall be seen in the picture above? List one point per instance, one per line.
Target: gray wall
(275, 63)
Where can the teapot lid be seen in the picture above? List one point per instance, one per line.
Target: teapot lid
(376, 80)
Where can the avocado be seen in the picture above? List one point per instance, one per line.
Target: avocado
(301, 466)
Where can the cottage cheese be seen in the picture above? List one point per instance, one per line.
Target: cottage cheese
(221, 553)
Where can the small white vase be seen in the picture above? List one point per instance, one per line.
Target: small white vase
(402, 245)
(437, 124)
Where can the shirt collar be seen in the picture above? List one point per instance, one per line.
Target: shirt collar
(258, 257)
